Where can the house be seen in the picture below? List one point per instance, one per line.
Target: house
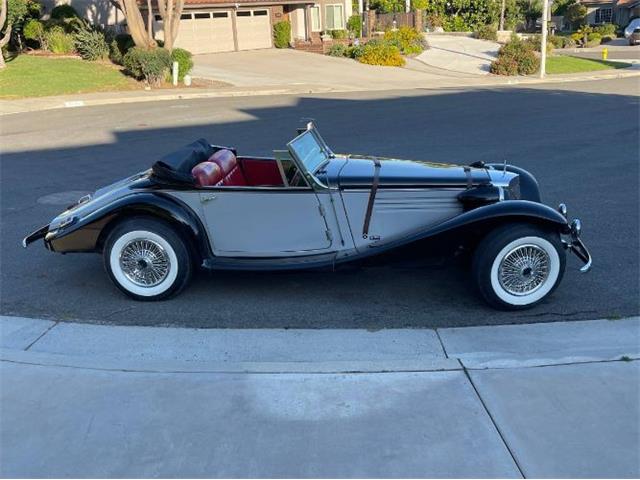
(209, 26)
(619, 12)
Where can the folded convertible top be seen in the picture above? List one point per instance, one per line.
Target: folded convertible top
(176, 166)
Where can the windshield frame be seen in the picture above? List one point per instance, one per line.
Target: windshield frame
(326, 151)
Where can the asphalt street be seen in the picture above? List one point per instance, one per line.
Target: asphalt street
(579, 139)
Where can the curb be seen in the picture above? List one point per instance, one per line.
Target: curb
(151, 366)
(50, 103)
(184, 350)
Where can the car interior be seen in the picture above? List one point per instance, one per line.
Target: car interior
(225, 169)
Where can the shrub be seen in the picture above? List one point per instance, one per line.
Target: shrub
(354, 25)
(34, 30)
(355, 51)
(408, 40)
(536, 43)
(282, 34)
(594, 37)
(91, 43)
(380, 53)
(338, 34)
(557, 41)
(606, 30)
(504, 66)
(184, 59)
(64, 11)
(517, 52)
(149, 64)
(59, 41)
(338, 50)
(119, 46)
(487, 32)
(455, 23)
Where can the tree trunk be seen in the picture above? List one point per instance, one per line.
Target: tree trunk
(7, 34)
(170, 11)
(136, 24)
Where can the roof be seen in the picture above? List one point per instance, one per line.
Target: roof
(220, 3)
(618, 3)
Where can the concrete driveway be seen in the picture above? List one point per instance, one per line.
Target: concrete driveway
(460, 54)
(274, 67)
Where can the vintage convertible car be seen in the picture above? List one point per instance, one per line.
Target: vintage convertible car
(208, 206)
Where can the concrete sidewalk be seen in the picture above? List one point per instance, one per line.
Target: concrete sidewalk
(543, 400)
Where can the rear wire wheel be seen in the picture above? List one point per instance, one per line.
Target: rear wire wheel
(147, 259)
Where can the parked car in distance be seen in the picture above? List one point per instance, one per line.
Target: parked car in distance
(631, 27)
(208, 206)
(634, 38)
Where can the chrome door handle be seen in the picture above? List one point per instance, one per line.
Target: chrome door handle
(207, 198)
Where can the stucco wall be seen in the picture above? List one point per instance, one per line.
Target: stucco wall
(101, 12)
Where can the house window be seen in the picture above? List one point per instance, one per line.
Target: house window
(220, 14)
(334, 18)
(201, 15)
(185, 16)
(259, 13)
(244, 13)
(315, 19)
(603, 15)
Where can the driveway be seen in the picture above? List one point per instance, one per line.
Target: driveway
(274, 67)
(460, 54)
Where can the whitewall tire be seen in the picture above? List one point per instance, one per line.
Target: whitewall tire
(516, 267)
(147, 259)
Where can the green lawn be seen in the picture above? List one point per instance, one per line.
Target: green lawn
(566, 64)
(32, 76)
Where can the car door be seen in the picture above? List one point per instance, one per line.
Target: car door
(265, 222)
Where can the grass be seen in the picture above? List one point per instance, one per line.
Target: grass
(36, 76)
(566, 64)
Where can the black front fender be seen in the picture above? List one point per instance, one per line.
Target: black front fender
(88, 232)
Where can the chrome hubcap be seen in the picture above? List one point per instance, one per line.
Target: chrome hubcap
(524, 269)
(144, 262)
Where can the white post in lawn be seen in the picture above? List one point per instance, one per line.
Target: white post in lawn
(543, 41)
(407, 6)
(174, 73)
(360, 7)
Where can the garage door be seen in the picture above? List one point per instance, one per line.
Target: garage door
(206, 32)
(254, 29)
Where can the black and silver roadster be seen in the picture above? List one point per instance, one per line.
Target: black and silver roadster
(209, 206)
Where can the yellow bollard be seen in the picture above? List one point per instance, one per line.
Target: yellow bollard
(605, 53)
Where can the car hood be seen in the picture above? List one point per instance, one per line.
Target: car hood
(358, 172)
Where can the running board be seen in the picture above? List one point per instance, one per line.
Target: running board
(270, 263)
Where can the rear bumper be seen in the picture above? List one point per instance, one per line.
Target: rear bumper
(37, 235)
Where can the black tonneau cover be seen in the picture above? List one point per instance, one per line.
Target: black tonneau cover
(176, 167)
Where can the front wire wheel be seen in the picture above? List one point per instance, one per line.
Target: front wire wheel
(516, 267)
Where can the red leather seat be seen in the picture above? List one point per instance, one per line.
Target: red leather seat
(232, 175)
(207, 174)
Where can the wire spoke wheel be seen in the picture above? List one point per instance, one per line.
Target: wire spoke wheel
(524, 269)
(144, 262)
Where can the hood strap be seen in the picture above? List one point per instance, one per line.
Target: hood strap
(372, 197)
(467, 172)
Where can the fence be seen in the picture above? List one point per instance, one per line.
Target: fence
(385, 21)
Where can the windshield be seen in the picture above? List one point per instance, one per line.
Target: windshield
(309, 150)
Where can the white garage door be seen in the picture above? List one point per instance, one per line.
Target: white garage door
(254, 29)
(206, 32)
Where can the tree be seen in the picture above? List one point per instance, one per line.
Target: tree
(7, 30)
(140, 34)
(531, 11)
(170, 11)
(576, 14)
(559, 7)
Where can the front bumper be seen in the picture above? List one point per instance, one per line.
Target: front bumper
(574, 243)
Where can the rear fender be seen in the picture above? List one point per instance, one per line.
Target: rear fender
(89, 233)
